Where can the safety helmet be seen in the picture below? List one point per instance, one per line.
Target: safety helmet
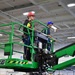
(50, 22)
(30, 14)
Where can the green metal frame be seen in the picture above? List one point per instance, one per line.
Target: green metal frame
(8, 46)
(25, 64)
(18, 64)
(68, 50)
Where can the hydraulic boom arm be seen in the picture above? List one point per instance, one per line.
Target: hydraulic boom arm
(68, 50)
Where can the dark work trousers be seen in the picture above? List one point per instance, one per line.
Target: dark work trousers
(27, 53)
(48, 44)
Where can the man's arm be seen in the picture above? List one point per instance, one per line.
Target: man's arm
(25, 23)
(53, 27)
(51, 37)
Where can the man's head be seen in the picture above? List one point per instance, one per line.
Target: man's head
(31, 16)
(49, 24)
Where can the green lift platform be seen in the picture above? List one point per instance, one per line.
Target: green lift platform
(40, 61)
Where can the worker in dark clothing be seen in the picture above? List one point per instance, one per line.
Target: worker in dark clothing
(47, 32)
(26, 37)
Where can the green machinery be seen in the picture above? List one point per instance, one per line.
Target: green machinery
(40, 61)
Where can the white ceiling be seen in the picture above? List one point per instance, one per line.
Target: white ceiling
(46, 10)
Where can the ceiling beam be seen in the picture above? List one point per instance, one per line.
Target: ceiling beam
(17, 7)
(10, 17)
(66, 8)
(63, 33)
(58, 19)
(4, 0)
(40, 6)
(71, 28)
(70, 21)
(2, 22)
(67, 25)
(8, 4)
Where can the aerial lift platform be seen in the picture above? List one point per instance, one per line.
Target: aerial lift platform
(40, 61)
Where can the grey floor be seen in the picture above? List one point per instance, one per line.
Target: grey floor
(58, 72)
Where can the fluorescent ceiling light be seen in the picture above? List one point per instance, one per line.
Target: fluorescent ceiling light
(26, 13)
(1, 34)
(71, 5)
(70, 37)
